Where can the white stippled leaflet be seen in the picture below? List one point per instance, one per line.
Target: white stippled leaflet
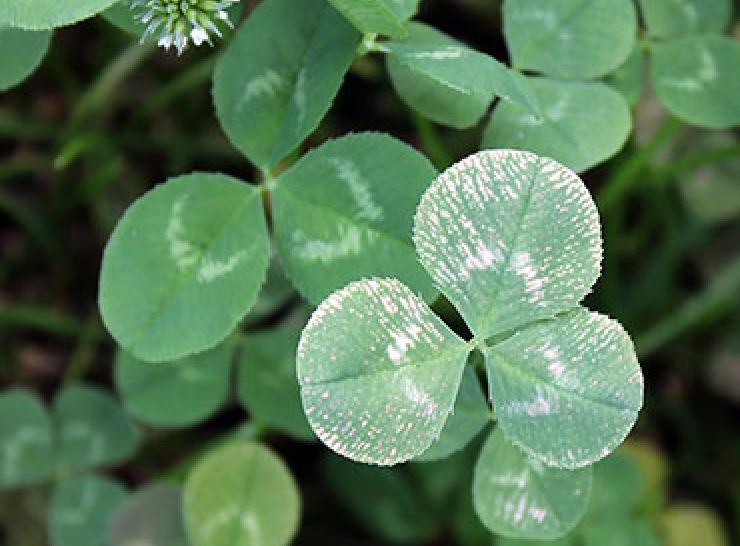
(509, 237)
(379, 372)
(518, 496)
(566, 391)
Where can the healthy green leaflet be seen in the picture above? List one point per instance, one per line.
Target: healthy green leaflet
(47, 14)
(198, 249)
(241, 493)
(21, 53)
(570, 38)
(270, 88)
(339, 217)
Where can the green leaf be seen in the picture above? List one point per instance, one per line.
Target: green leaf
(271, 88)
(582, 123)
(578, 39)
(121, 16)
(21, 54)
(617, 489)
(434, 97)
(469, 416)
(665, 18)
(509, 238)
(448, 73)
(385, 501)
(697, 80)
(377, 16)
(267, 382)
(517, 496)
(46, 14)
(241, 494)
(567, 391)
(175, 394)
(343, 212)
(628, 78)
(81, 510)
(26, 455)
(379, 372)
(183, 266)
(149, 517)
(93, 429)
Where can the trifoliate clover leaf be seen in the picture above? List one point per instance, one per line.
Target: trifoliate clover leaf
(379, 372)
(513, 241)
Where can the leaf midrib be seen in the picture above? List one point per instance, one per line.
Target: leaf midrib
(445, 357)
(185, 275)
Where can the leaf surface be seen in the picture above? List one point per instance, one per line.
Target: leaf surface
(183, 266)
(26, 453)
(578, 39)
(93, 429)
(696, 78)
(271, 88)
(379, 372)
(178, 393)
(509, 238)
(344, 212)
(517, 496)
(241, 493)
(21, 53)
(567, 391)
(581, 124)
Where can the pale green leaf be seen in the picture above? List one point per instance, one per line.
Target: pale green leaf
(468, 417)
(344, 211)
(267, 382)
(183, 266)
(665, 18)
(151, 516)
(628, 78)
(570, 38)
(272, 87)
(377, 16)
(518, 496)
(46, 14)
(436, 99)
(178, 393)
(697, 79)
(241, 493)
(379, 372)
(21, 52)
(581, 124)
(81, 510)
(509, 238)
(568, 390)
(385, 501)
(26, 454)
(449, 73)
(93, 429)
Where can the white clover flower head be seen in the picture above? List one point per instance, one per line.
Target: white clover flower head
(179, 22)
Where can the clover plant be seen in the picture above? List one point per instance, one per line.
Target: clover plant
(449, 329)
